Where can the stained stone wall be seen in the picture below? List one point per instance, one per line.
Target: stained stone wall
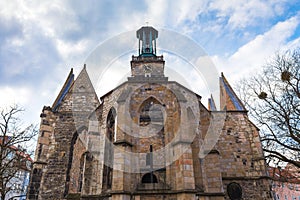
(242, 159)
(240, 148)
(77, 147)
(41, 154)
(76, 170)
(57, 130)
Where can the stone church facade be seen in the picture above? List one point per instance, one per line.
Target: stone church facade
(149, 138)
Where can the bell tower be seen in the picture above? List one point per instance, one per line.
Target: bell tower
(147, 36)
(147, 66)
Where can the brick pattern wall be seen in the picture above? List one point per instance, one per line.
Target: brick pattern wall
(237, 156)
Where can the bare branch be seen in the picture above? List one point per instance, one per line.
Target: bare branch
(13, 137)
(277, 113)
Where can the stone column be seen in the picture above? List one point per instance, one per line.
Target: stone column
(121, 172)
(184, 166)
(122, 161)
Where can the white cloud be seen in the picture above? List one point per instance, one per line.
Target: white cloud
(50, 17)
(243, 13)
(256, 53)
(30, 99)
(70, 49)
(56, 22)
(181, 11)
(174, 13)
(14, 95)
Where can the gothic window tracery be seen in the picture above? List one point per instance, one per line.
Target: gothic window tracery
(150, 112)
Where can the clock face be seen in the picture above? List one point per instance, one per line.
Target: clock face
(147, 68)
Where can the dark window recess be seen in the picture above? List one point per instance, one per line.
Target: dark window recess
(145, 118)
(147, 178)
(40, 151)
(109, 153)
(45, 122)
(35, 184)
(150, 112)
(80, 178)
(70, 160)
(244, 161)
(252, 164)
(228, 131)
(234, 191)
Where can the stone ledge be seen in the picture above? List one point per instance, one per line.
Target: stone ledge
(97, 196)
(246, 178)
(73, 196)
(123, 143)
(182, 142)
(40, 162)
(221, 194)
(148, 169)
(152, 186)
(143, 79)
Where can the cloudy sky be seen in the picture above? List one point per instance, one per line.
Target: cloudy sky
(41, 40)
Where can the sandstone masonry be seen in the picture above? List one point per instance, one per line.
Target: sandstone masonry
(149, 138)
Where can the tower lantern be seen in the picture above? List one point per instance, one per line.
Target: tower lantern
(147, 40)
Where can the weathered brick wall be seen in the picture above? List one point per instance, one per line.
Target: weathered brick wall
(57, 130)
(252, 189)
(41, 154)
(76, 172)
(240, 148)
(242, 159)
(54, 177)
(237, 156)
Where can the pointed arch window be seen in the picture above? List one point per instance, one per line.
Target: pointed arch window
(151, 112)
(111, 124)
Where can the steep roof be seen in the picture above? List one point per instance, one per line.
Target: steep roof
(83, 80)
(211, 104)
(64, 90)
(72, 86)
(228, 99)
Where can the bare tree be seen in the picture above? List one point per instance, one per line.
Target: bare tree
(273, 100)
(13, 155)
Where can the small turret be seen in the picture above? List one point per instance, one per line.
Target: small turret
(147, 35)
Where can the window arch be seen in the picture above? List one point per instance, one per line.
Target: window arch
(111, 124)
(151, 112)
(149, 178)
(111, 130)
(74, 159)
